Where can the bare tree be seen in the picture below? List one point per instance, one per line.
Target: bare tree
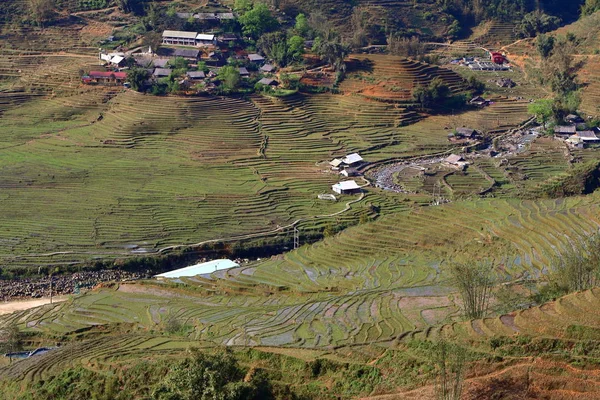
(578, 266)
(450, 364)
(474, 282)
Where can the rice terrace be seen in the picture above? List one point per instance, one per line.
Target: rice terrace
(292, 199)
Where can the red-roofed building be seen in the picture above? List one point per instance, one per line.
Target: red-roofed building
(497, 58)
(105, 77)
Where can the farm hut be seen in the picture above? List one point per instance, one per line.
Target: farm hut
(267, 68)
(587, 136)
(206, 39)
(466, 133)
(576, 142)
(188, 54)
(350, 172)
(206, 16)
(564, 131)
(105, 77)
(479, 101)
(162, 72)
(198, 269)
(346, 187)
(455, 161)
(256, 58)
(195, 75)
(225, 16)
(225, 38)
(352, 159)
(268, 82)
(179, 38)
(244, 72)
(335, 164)
(573, 119)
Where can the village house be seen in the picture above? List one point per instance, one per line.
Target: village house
(256, 58)
(268, 82)
(226, 38)
(188, 54)
(573, 119)
(346, 187)
(479, 101)
(497, 58)
(586, 136)
(455, 161)
(195, 75)
(268, 68)
(244, 72)
(564, 131)
(205, 40)
(114, 59)
(335, 164)
(179, 38)
(108, 78)
(161, 72)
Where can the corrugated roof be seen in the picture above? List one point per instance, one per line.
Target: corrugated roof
(180, 34)
(255, 57)
(565, 129)
(196, 74)
(244, 71)
(205, 36)
(586, 135)
(453, 158)
(267, 81)
(202, 268)
(352, 158)
(191, 53)
(336, 162)
(162, 71)
(347, 185)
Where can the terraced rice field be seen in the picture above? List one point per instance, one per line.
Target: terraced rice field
(369, 283)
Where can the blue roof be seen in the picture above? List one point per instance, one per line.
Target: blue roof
(198, 269)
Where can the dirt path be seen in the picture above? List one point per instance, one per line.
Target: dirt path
(20, 305)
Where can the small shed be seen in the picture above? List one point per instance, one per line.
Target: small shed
(268, 82)
(587, 136)
(352, 159)
(257, 58)
(225, 16)
(455, 161)
(244, 72)
(350, 172)
(467, 133)
(335, 163)
(160, 62)
(479, 101)
(346, 187)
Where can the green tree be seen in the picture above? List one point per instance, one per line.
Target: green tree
(301, 27)
(229, 77)
(258, 21)
(136, 77)
(179, 63)
(474, 281)
(535, 23)
(202, 66)
(590, 7)
(450, 363)
(432, 96)
(542, 109)
(545, 45)
(242, 6)
(295, 48)
(332, 52)
(41, 10)
(11, 339)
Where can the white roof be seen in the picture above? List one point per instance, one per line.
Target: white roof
(335, 162)
(117, 59)
(347, 185)
(205, 36)
(105, 57)
(202, 268)
(352, 158)
(180, 34)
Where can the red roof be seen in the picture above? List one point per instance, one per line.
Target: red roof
(102, 74)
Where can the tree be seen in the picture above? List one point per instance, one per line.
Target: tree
(536, 22)
(11, 339)
(433, 95)
(332, 52)
(450, 365)
(545, 45)
(242, 6)
(578, 266)
(257, 21)
(301, 27)
(590, 7)
(295, 48)
(474, 282)
(136, 77)
(560, 71)
(229, 77)
(41, 10)
(542, 109)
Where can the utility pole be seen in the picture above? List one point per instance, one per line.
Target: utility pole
(50, 288)
(296, 238)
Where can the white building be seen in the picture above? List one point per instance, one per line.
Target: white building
(346, 187)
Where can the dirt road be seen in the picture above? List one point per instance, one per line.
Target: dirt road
(19, 305)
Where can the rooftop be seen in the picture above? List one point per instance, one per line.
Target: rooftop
(202, 268)
(255, 57)
(453, 158)
(352, 158)
(180, 34)
(205, 36)
(347, 185)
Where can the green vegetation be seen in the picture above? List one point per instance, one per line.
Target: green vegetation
(474, 282)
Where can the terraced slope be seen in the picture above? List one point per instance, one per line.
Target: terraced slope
(370, 283)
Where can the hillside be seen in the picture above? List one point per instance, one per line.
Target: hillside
(137, 168)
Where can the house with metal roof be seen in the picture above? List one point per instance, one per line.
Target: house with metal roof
(188, 54)
(162, 72)
(267, 68)
(195, 75)
(455, 161)
(346, 187)
(206, 39)
(268, 82)
(564, 131)
(256, 58)
(244, 72)
(587, 136)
